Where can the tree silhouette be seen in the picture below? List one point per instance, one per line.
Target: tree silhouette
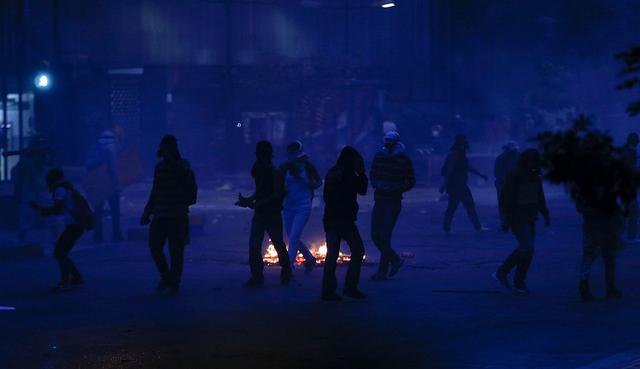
(587, 162)
(631, 73)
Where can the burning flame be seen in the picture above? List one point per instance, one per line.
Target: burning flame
(319, 252)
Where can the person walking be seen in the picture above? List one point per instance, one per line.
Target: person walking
(455, 172)
(391, 176)
(522, 199)
(301, 179)
(506, 162)
(343, 183)
(167, 211)
(266, 202)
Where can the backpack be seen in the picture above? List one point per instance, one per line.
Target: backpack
(81, 211)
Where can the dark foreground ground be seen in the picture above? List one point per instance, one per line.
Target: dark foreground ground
(442, 311)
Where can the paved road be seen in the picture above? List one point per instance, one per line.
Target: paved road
(442, 311)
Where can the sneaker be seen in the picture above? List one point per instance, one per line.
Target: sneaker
(482, 229)
(395, 268)
(613, 293)
(61, 287)
(253, 283)
(585, 292)
(502, 279)
(355, 294)
(162, 286)
(520, 289)
(286, 276)
(379, 276)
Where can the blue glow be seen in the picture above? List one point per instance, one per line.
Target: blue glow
(42, 81)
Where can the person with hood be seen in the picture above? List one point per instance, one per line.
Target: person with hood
(504, 164)
(266, 202)
(455, 172)
(78, 216)
(105, 152)
(343, 183)
(300, 180)
(167, 210)
(630, 156)
(391, 175)
(522, 198)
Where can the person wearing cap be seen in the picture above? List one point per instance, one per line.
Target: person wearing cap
(504, 164)
(522, 199)
(167, 211)
(391, 176)
(105, 152)
(266, 202)
(343, 183)
(456, 171)
(301, 179)
(630, 156)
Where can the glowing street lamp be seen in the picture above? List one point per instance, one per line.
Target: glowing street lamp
(42, 81)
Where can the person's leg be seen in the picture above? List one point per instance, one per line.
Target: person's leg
(64, 245)
(114, 205)
(609, 249)
(274, 230)
(470, 206)
(452, 205)
(300, 222)
(178, 234)
(288, 216)
(98, 227)
(526, 241)
(515, 258)
(329, 281)
(157, 237)
(377, 230)
(256, 238)
(352, 236)
(589, 246)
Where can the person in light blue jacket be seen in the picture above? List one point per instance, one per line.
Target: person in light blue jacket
(301, 179)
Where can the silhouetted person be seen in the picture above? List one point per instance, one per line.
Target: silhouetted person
(267, 204)
(105, 152)
(174, 190)
(301, 178)
(343, 183)
(522, 198)
(391, 176)
(78, 216)
(504, 164)
(630, 153)
(455, 172)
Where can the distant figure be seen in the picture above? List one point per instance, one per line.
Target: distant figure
(267, 204)
(504, 164)
(455, 172)
(602, 224)
(391, 176)
(630, 153)
(174, 190)
(300, 180)
(30, 184)
(78, 217)
(522, 198)
(343, 183)
(105, 152)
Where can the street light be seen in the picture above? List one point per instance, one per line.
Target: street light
(385, 4)
(42, 81)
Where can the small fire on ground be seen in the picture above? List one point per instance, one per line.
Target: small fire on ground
(318, 251)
